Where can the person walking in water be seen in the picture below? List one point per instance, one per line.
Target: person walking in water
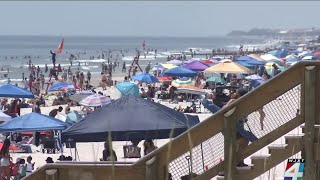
(53, 58)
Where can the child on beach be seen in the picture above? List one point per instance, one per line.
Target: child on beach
(29, 166)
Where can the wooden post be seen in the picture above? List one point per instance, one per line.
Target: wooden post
(52, 174)
(230, 159)
(309, 115)
(151, 169)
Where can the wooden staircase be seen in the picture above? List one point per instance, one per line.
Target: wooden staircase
(290, 99)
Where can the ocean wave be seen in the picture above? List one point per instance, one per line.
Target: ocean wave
(90, 60)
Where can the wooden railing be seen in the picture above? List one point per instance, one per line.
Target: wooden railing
(156, 164)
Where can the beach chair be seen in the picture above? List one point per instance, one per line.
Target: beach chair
(131, 151)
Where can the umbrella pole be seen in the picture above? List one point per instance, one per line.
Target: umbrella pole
(203, 166)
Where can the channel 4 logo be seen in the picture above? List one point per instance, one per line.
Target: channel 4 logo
(294, 169)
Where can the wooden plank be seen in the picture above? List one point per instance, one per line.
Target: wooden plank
(271, 161)
(230, 145)
(271, 137)
(309, 116)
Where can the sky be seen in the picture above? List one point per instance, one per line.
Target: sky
(146, 18)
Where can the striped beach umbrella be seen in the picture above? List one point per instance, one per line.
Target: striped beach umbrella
(182, 82)
(95, 100)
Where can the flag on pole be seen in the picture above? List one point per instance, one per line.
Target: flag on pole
(60, 47)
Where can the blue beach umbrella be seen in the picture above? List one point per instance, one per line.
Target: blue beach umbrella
(61, 85)
(145, 77)
(128, 88)
(73, 117)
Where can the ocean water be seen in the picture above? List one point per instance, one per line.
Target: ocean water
(14, 49)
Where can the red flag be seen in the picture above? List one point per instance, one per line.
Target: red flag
(60, 47)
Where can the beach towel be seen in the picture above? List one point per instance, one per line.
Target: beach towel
(240, 124)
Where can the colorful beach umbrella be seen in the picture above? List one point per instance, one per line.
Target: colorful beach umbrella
(227, 66)
(182, 82)
(145, 77)
(196, 66)
(216, 79)
(95, 100)
(61, 86)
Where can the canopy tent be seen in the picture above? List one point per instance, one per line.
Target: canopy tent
(249, 60)
(128, 88)
(80, 96)
(32, 122)
(130, 118)
(95, 100)
(145, 77)
(196, 66)
(179, 72)
(256, 56)
(182, 82)
(4, 117)
(227, 66)
(175, 62)
(60, 86)
(9, 90)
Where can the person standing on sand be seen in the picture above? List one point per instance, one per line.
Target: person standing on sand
(88, 76)
(46, 68)
(53, 58)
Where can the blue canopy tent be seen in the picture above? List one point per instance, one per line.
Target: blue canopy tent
(145, 77)
(128, 88)
(32, 122)
(179, 72)
(247, 60)
(130, 118)
(60, 85)
(10, 90)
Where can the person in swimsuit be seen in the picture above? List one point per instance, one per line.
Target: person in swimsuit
(4, 162)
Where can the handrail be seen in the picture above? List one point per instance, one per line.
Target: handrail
(277, 85)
